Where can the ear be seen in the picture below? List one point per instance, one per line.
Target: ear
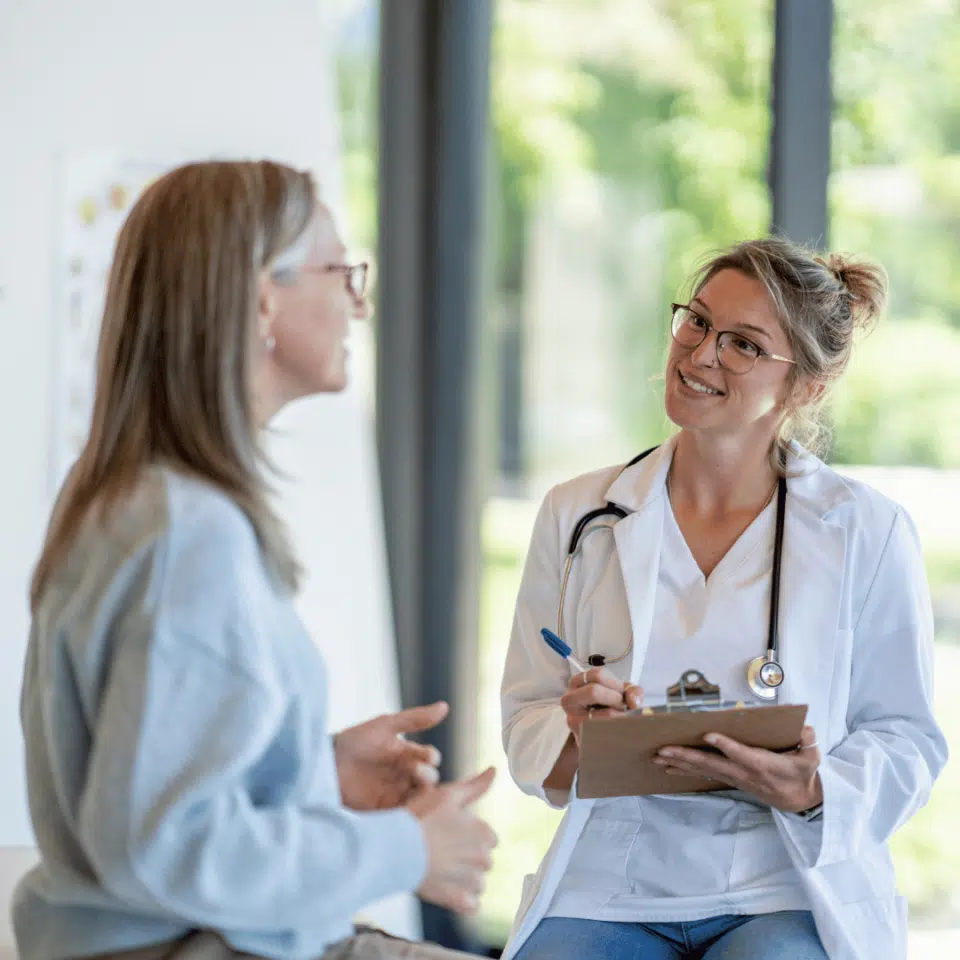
(813, 391)
(806, 392)
(266, 304)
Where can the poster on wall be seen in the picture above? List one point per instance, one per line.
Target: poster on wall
(96, 192)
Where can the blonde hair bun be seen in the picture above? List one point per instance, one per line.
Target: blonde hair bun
(865, 282)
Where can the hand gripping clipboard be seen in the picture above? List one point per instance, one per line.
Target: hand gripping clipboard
(616, 753)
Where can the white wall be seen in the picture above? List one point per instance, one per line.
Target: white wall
(179, 79)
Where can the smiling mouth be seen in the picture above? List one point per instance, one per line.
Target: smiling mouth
(698, 387)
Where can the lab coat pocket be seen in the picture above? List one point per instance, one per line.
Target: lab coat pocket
(838, 696)
(759, 855)
(600, 857)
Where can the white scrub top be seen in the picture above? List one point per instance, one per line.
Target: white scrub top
(690, 856)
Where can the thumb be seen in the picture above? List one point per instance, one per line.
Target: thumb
(466, 792)
(418, 719)
(633, 695)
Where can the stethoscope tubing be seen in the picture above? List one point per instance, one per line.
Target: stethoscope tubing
(610, 509)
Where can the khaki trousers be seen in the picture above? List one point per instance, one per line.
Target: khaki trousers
(366, 944)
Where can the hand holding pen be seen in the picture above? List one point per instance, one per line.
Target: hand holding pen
(592, 691)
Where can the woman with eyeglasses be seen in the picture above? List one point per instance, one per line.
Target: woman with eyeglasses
(787, 859)
(188, 798)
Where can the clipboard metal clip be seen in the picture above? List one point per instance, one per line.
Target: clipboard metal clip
(692, 690)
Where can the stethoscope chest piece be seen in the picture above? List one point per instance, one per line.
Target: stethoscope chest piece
(764, 676)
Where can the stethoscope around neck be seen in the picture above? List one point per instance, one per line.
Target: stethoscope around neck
(764, 673)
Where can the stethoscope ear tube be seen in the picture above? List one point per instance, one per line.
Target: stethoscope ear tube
(576, 541)
(773, 642)
(608, 510)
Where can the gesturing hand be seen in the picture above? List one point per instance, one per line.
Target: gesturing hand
(378, 769)
(458, 843)
(786, 781)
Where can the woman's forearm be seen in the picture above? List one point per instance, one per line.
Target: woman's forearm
(565, 769)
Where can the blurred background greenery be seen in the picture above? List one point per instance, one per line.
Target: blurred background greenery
(630, 138)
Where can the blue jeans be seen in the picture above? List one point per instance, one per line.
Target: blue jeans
(788, 935)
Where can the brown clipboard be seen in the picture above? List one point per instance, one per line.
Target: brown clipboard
(616, 753)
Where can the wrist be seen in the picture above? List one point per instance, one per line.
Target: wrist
(812, 799)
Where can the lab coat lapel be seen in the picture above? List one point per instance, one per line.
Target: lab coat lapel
(640, 490)
(638, 547)
(814, 552)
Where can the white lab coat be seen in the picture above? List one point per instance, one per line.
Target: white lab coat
(856, 644)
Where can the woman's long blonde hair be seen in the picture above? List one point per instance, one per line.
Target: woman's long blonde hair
(174, 372)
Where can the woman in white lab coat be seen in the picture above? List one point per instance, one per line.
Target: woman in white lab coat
(789, 859)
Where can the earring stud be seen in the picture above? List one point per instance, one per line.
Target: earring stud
(269, 341)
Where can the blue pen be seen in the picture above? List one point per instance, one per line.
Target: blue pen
(558, 646)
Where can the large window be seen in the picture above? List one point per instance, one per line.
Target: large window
(895, 195)
(354, 27)
(630, 138)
